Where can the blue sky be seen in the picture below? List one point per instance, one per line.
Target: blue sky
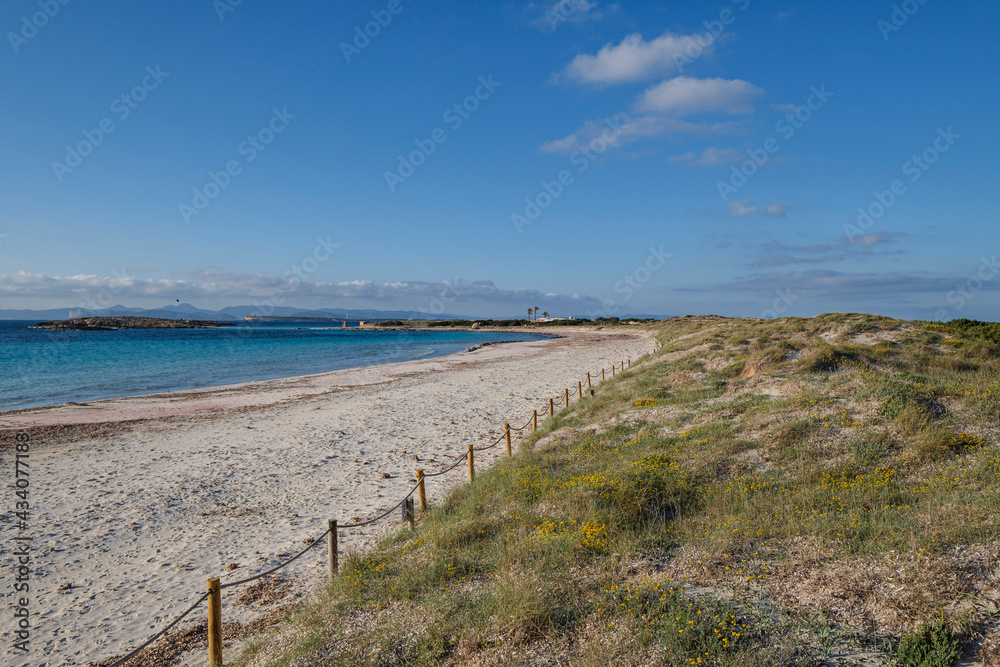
(713, 156)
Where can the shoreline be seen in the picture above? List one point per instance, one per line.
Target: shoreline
(107, 416)
(128, 524)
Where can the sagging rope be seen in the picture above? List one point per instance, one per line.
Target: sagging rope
(317, 540)
(161, 632)
(278, 567)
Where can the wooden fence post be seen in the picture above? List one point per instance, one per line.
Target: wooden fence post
(602, 375)
(506, 434)
(588, 380)
(612, 370)
(534, 420)
(421, 491)
(407, 508)
(472, 464)
(579, 389)
(214, 622)
(552, 408)
(567, 398)
(630, 362)
(331, 547)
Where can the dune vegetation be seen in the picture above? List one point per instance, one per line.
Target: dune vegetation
(784, 492)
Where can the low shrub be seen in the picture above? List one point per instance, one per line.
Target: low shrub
(932, 645)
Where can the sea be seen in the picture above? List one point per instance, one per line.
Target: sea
(40, 367)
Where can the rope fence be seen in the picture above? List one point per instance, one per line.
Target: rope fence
(213, 593)
(161, 632)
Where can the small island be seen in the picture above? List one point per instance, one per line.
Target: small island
(114, 323)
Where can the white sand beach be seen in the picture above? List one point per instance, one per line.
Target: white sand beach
(140, 500)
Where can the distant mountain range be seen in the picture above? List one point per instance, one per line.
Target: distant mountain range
(185, 311)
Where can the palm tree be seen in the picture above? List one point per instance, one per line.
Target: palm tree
(529, 314)
(536, 312)
(544, 314)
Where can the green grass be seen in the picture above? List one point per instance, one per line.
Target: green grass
(684, 529)
(971, 329)
(933, 645)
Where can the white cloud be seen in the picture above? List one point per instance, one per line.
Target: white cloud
(741, 208)
(710, 157)
(776, 210)
(633, 129)
(779, 253)
(217, 289)
(635, 59)
(659, 112)
(684, 157)
(610, 131)
(745, 207)
(553, 14)
(684, 95)
(662, 108)
(655, 125)
(824, 283)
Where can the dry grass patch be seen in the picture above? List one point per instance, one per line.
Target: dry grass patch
(686, 503)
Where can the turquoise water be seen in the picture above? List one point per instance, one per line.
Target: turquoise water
(39, 367)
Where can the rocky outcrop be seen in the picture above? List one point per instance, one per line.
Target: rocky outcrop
(113, 323)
